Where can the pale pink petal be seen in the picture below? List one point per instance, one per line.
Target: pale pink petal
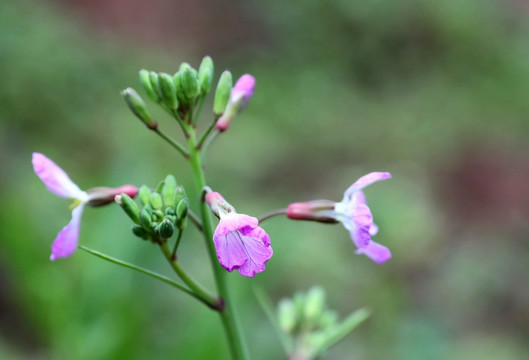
(376, 252)
(230, 250)
(245, 86)
(366, 180)
(359, 228)
(65, 243)
(55, 179)
(373, 230)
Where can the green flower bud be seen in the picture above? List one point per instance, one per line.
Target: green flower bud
(140, 232)
(138, 107)
(222, 93)
(180, 194)
(157, 215)
(146, 219)
(153, 77)
(170, 211)
(168, 90)
(130, 207)
(159, 187)
(156, 201)
(287, 316)
(145, 195)
(314, 305)
(177, 80)
(166, 229)
(189, 81)
(168, 192)
(205, 74)
(145, 82)
(181, 209)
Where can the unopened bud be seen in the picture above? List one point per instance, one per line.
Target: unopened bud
(153, 78)
(166, 229)
(140, 232)
(130, 207)
(205, 74)
(156, 201)
(144, 195)
(138, 107)
(316, 210)
(287, 315)
(190, 84)
(240, 94)
(314, 304)
(100, 196)
(145, 82)
(146, 219)
(222, 93)
(168, 191)
(182, 208)
(168, 90)
(180, 194)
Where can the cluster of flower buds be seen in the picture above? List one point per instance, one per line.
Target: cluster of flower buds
(311, 328)
(163, 210)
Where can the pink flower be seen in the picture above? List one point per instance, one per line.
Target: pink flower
(239, 97)
(58, 182)
(239, 242)
(352, 212)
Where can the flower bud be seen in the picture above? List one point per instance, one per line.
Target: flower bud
(168, 192)
(138, 107)
(104, 195)
(165, 229)
(181, 213)
(140, 232)
(189, 81)
(287, 315)
(153, 77)
(222, 93)
(316, 210)
(240, 94)
(177, 81)
(168, 90)
(145, 82)
(314, 304)
(146, 219)
(129, 206)
(205, 74)
(156, 201)
(145, 195)
(180, 194)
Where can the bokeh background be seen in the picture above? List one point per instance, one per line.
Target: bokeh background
(435, 92)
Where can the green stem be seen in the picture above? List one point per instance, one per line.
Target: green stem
(208, 143)
(175, 248)
(199, 109)
(172, 142)
(206, 133)
(231, 324)
(140, 269)
(194, 218)
(197, 289)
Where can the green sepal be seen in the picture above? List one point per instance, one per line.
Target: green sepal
(144, 194)
(222, 93)
(181, 208)
(168, 90)
(145, 82)
(156, 201)
(130, 207)
(153, 77)
(138, 107)
(189, 81)
(159, 187)
(180, 194)
(146, 219)
(205, 75)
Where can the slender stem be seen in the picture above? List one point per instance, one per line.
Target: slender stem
(175, 248)
(194, 218)
(206, 133)
(198, 289)
(270, 214)
(231, 324)
(139, 269)
(172, 142)
(199, 109)
(180, 122)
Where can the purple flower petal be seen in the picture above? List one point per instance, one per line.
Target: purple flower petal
(230, 250)
(245, 86)
(55, 179)
(376, 252)
(257, 252)
(65, 243)
(366, 180)
(361, 226)
(231, 222)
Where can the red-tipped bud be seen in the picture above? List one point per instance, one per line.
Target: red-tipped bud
(104, 195)
(316, 210)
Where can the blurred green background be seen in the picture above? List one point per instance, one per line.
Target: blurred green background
(436, 92)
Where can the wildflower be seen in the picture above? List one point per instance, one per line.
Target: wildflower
(239, 242)
(352, 212)
(58, 182)
(239, 97)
